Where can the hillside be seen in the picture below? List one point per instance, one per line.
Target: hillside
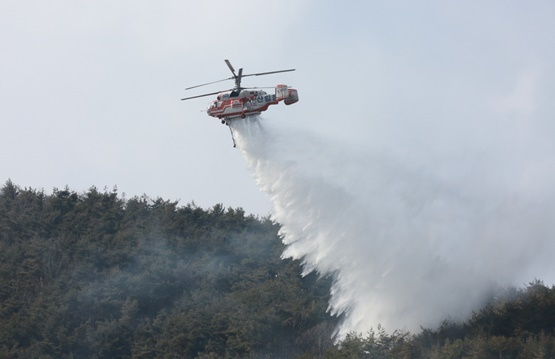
(95, 275)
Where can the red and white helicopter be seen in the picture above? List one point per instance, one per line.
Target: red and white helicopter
(240, 102)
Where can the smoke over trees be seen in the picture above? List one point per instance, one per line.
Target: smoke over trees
(95, 275)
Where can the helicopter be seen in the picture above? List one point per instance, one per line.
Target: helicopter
(240, 102)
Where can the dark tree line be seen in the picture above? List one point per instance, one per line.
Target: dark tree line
(95, 275)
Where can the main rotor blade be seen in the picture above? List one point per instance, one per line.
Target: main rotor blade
(230, 67)
(268, 73)
(206, 94)
(236, 77)
(209, 83)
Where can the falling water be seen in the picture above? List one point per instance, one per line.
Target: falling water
(408, 246)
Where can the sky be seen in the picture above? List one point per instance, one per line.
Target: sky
(90, 91)
(430, 123)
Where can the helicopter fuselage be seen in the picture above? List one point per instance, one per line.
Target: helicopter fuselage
(241, 103)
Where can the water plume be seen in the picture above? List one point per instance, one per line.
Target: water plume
(408, 245)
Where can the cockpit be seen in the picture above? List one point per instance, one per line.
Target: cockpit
(223, 96)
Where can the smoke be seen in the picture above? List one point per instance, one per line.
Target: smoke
(411, 239)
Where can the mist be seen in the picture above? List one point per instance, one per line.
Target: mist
(413, 236)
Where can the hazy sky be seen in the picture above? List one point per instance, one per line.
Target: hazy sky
(90, 90)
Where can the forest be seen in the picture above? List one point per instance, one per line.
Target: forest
(97, 275)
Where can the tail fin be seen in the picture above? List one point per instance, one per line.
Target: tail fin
(289, 95)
